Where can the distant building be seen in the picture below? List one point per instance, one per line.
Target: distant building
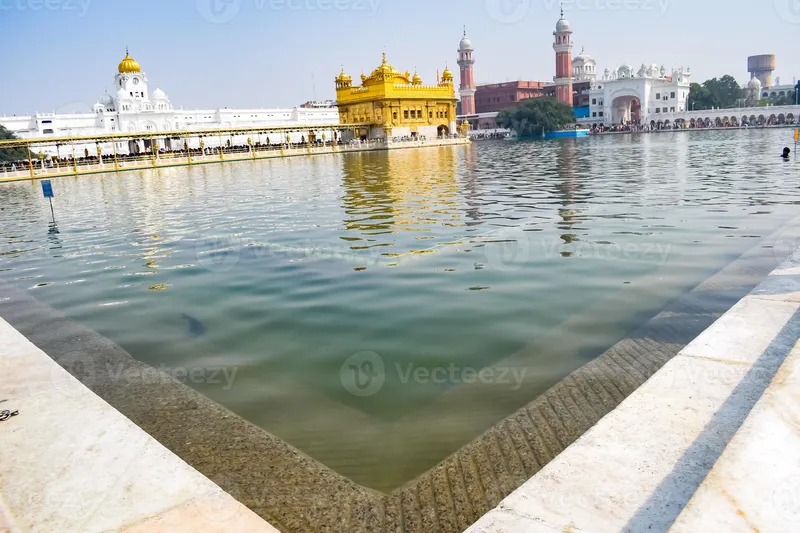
(499, 96)
(395, 104)
(761, 67)
(319, 104)
(625, 95)
(134, 108)
(490, 99)
(779, 90)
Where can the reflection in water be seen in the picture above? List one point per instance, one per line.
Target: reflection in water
(52, 236)
(403, 190)
(293, 266)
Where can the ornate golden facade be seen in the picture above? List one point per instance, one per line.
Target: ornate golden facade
(397, 104)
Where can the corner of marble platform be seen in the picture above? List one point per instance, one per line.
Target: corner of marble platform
(80, 465)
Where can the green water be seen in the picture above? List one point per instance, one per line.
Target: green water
(352, 299)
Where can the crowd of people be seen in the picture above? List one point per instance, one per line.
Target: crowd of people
(482, 136)
(629, 127)
(44, 161)
(40, 161)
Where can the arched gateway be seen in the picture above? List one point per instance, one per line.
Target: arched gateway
(626, 108)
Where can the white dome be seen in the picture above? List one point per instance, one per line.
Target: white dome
(583, 58)
(562, 24)
(625, 71)
(465, 45)
(755, 83)
(107, 100)
(158, 94)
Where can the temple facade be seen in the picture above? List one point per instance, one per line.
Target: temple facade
(134, 108)
(393, 104)
(640, 97)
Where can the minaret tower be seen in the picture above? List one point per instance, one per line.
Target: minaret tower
(467, 89)
(563, 48)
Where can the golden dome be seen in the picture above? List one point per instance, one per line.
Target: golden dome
(416, 80)
(386, 72)
(447, 75)
(363, 77)
(342, 78)
(128, 64)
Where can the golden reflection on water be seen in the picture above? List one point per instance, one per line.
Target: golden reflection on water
(400, 191)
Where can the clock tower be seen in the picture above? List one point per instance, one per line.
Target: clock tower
(131, 86)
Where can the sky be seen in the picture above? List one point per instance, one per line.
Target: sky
(61, 55)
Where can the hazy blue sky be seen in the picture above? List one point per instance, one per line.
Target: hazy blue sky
(62, 54)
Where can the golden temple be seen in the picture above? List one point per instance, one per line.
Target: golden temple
(398, 105)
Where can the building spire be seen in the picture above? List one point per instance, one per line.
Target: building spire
(562, 10)
(465, 30)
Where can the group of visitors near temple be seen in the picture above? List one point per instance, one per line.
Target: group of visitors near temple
(87, 159)
(108, 159)
(683, 125)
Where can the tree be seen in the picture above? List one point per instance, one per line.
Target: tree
(721, 92)
(700, 98)
(11, 154)
(535, 116)
(726, 90)
(786, 99)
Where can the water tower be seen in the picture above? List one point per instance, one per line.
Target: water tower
(762, 67)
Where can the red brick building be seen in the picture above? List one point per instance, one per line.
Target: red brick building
(498, 96)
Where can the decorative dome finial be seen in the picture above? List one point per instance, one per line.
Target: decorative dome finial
(128, 64)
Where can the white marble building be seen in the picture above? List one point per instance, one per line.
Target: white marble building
(625, 95)
(778, 89)
(133, 108)
(584, 67)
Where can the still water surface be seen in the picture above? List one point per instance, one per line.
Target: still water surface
(353, 299)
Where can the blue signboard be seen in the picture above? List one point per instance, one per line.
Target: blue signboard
(47, 189)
